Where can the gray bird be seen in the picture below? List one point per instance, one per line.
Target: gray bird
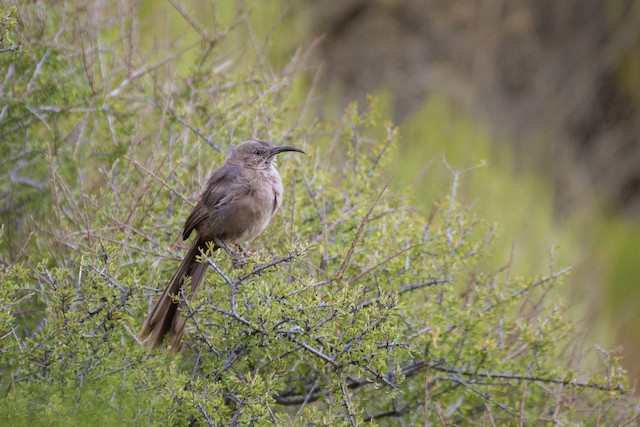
(240, 199)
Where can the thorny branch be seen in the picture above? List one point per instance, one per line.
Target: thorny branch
(290, 397)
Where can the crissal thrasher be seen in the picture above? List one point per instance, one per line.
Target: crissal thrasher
(239, 201)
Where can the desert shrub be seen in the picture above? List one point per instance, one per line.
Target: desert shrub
(353, 307)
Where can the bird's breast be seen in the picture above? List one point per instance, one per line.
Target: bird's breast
(254, 210)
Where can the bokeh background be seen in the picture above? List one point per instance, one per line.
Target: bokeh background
(546, 92)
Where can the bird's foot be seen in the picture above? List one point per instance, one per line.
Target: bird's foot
(239, 258)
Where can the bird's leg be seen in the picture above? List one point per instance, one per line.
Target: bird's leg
(225, 248)
(242, 250)
(238, 258)
(242, 256)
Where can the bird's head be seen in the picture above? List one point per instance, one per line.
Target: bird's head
(256, 154)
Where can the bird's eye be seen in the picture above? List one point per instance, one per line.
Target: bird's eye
(256, 151)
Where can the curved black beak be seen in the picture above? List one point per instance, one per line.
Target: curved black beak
(283, 148)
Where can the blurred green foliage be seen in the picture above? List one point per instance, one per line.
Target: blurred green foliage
(618, 251)
(438, 135)
(357, 306)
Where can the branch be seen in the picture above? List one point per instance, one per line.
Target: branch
(415, 368)
(9, 49)
(535, 284)
(384, 261)
(409, 288)
(316, 352)
(146, 70)
(289, 257)
(352, 247)
(454, 190)
(393, 413)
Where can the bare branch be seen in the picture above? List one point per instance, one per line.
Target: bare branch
(364, 222)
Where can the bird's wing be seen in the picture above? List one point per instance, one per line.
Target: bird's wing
(213, 197)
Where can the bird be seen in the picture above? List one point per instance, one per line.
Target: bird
(238, 202)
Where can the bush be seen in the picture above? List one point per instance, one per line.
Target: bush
(354, 307)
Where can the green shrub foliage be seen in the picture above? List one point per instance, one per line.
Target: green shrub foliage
(352, 307)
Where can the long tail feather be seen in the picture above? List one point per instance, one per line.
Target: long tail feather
(164, 317)
(177, 328)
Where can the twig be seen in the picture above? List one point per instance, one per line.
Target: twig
(161, 181)
(308, 396)
(345, 399)
(454, 190)
(145, 70)
(364, 222)
(206, 415)
(530, 378)
(409, 288)
(384, 261)
(528, 288)
(290, 256)
(315, 352)
(106, 276)
(9, 49)
(217, 269)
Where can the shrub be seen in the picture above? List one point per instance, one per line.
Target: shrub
(354, 306)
